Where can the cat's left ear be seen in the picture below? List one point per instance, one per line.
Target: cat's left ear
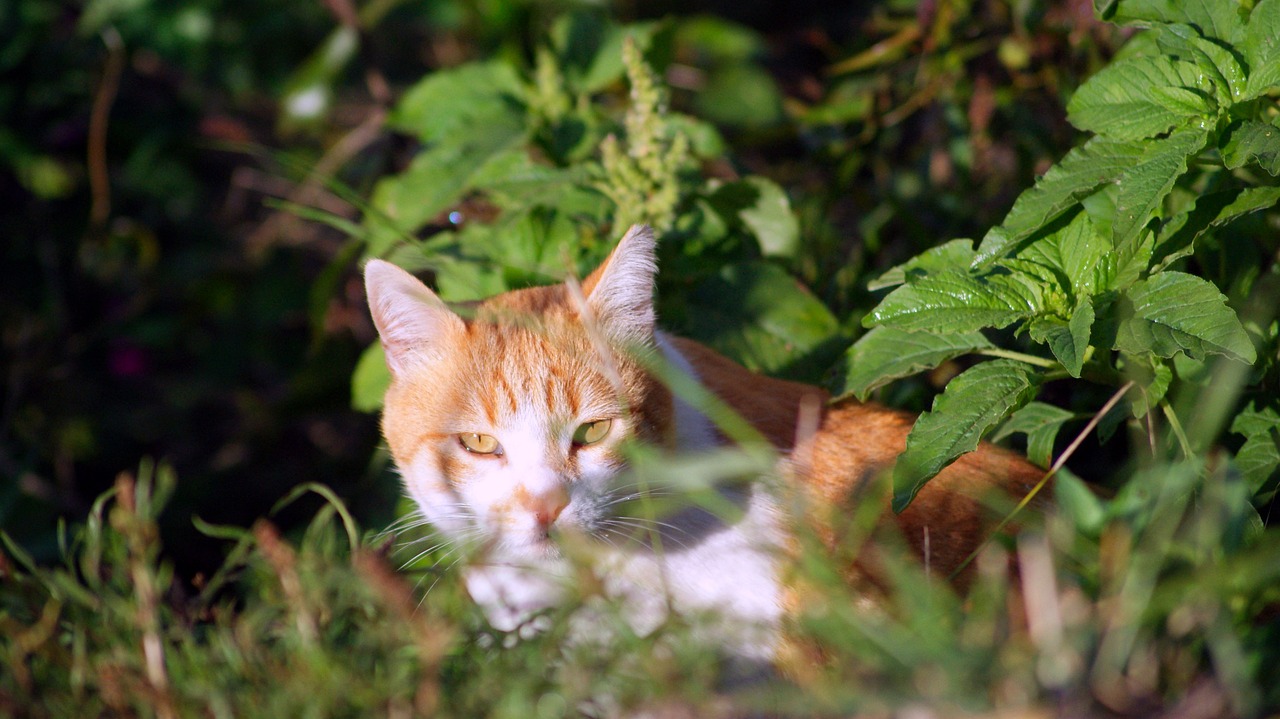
(620, 292)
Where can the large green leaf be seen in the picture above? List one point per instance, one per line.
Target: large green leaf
(953, 255)
(461, 100)
(885, 354)
(1177, 237)
(956, 301)
(1099, 161)
(1262, 48)
(1144, 187)
(1121, 100)
(1175, 312)
(1040, 422)
(1219, 19)
(761, 316)
(974, 401)
(1254, 142)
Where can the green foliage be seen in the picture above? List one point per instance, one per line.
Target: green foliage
(1083, 266)
(554, 176)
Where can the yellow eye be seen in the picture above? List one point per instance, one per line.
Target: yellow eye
(479, 443)
(592, 432)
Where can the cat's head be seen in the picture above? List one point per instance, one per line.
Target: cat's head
(507, 418)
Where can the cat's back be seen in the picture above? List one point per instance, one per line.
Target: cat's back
(841, 453)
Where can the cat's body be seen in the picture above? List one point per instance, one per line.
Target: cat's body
(508, 428)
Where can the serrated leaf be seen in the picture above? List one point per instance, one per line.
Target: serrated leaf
(1257, 142)
(1229, 78)
(1175, 312)
(1262, 48)
(956, 301)
(771, 219)
(1139, 98)
(1259, 457)
(1177, 237)
(1040, 422)
(370, 379)
(459, 100)
(1099, 161)
(953, 255)
(1214, 18)
(885, 354)
(1144, 187)
(973, 402)
(1067, 340)
(1075, 251)
(1129, 263)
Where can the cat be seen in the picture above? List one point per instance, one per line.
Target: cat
(509, 418)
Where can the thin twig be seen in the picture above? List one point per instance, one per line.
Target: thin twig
(99, 176)
(1057, 465)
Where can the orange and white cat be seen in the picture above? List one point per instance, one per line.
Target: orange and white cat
(508, 426)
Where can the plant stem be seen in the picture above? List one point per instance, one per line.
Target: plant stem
(1176, 425)
(1021, 357)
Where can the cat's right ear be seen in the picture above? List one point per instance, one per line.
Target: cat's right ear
(414, 324)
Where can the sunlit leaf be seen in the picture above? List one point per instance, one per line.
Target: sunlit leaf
(885, 354)
(974, 401)
(956, 301)
(1175, 312)
(1122, 101)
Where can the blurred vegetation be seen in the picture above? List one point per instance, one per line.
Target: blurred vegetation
(191, 189)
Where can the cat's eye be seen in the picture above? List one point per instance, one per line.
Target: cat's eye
(592, 432)
(477, 443)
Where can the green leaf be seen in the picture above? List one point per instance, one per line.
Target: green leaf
(771, 219)
(956, 301)
(1074, 251)
(1256, 142)
(436, 179)
(1229, 78)
(370, 379)
(1151, 379)
(1175, 312)
(460, 101)
(1262, 48)
(953, 255)
(885, 354)
(761, 316)
(1144, 187)
(1040, 422)
(1067, 340)
(1139, 98)
(1079, 502)
(1259, 457)
(1099, 161)
(1177, 237)
(1219, 19)
(973, 402)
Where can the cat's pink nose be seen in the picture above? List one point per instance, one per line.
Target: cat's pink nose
(547, 507)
